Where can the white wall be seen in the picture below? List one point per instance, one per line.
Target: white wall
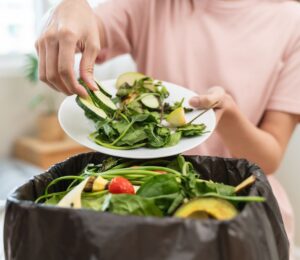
(16, 116)
(289, 176)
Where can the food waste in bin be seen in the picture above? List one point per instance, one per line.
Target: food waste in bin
(161, 187)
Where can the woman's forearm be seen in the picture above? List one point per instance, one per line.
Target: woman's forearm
(244, 139)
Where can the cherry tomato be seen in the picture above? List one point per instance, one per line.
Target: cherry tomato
(120, 185)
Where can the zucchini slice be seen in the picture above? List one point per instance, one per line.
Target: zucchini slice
(129, 77)
(103, 101)
(91, 111)
(103, 90)
(100, 99)
(150, 101)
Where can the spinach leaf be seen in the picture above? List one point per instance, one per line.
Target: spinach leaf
(135, 107)
(155, 140)
(125, 204)
(54, 199)
(174, 139)
(204, 187)
(109, 163)
(93, 202)
(159, 185)
(120, 126)
(133, 136)
(162, 189)
(191, 130)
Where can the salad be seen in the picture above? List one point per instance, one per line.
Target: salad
(161, 187)
(138, 116)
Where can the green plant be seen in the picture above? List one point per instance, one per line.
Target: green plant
(31, 73)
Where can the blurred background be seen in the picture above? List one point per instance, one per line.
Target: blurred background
(30, 137)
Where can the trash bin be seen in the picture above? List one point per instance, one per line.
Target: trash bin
(40, 232)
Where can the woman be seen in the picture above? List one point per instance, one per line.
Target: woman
(243, 54)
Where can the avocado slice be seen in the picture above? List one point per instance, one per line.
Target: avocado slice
(207, 208)
(129, 78)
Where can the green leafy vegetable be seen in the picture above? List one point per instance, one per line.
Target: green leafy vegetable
(191, 130)
(164, 185)
(135, 117)
(124, 204)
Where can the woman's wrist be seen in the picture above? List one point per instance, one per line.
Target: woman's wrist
(228, 112)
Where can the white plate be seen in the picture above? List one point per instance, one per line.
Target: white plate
(78, 127)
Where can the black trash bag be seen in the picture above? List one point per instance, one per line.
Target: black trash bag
(38, 232)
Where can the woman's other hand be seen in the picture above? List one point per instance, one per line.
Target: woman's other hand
(216, 98)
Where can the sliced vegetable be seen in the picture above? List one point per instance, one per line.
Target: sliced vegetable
(95, 184)
(73, 198)
(104, 102)
(91, 111)
(120, 185)
(177, 117)
(150, 101)
(102, 89)
(129, 78)
(207, 208)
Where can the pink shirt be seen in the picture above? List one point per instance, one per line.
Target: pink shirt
(249, 47)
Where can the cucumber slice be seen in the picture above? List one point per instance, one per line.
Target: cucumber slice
(91, 111)
(129, 77)
(104, 102)
(99, 99)
(150, 101)
(102, 89)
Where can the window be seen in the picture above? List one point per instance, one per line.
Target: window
(19, 21)
(17, 26)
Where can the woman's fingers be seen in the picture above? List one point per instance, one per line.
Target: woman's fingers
(213, 97)
(52, 49)
(41, 51)
(87, 63)
(67, 47)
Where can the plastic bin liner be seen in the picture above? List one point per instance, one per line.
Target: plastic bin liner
(35, 231)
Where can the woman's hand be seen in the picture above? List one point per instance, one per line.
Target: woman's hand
(215, 97)
(72, 27)
(264, 144)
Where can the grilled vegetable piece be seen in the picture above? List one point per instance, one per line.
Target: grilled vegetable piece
(129, 78)
(95, 184)
(150, 101)
(120, 185)
(73, 198)
(91, 111)
(207, 208)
